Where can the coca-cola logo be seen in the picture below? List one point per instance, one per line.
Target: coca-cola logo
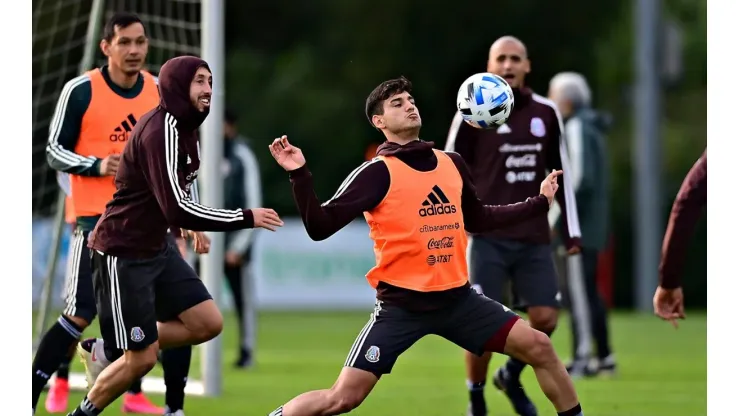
(444, 242)
(524, 161)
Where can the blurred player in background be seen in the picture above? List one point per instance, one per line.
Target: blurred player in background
(95, 114)
(419, 202)
(685, 213)
(149, 297)
(507, 164)
(584, 133)
(242, 188)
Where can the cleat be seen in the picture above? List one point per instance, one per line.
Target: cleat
(93, 358)
(58, 397)
(514, 391)
(140, 404)
(177, 413)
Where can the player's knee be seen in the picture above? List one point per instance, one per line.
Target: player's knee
(344, 400)
(538, 349)
(81, 323)
(209, 327)
(544, 319)
(143, 361)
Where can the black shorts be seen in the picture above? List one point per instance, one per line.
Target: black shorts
(471, 322)
(79, 297)
(530, 268)
(133, 294)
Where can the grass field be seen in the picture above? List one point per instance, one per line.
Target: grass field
(662, 372)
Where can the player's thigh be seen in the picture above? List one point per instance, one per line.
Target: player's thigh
(387, 334)
(79, 297)
(178, 288)
(534, 278)
(487, 267)
(124, 293)
(477, 323)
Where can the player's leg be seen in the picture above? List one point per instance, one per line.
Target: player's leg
(176, 362)
(580, 315)
(488, 274)
(124, 292)
(234, 276)
(56, 344)
(535, 283)
(389, 332)
(598, 312)
(479, 324)
(186, 312)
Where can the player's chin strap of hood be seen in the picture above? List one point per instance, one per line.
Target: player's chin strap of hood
(393, 149)
(175, 78)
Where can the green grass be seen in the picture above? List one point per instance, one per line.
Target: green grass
(662, 372)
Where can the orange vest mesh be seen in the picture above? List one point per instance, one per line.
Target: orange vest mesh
(418, 231)
(106, 127)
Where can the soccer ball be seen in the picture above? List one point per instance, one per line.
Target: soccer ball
(485, 100)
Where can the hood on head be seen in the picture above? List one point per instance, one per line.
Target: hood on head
(175, 78)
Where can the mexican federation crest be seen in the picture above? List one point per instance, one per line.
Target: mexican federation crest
(537, 127)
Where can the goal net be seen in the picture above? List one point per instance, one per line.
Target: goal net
(66, 37)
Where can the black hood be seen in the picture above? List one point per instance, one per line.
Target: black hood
(175, 78)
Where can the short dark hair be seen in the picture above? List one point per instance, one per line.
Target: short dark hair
(384, 91)
(120, 20)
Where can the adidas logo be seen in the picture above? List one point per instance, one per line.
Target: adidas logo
(436, 203)
(121, 133)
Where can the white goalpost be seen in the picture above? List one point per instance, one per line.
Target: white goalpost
(66, 36)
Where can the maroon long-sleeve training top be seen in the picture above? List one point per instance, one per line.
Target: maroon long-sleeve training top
(158, 167)
(366, 187)
(686, 211)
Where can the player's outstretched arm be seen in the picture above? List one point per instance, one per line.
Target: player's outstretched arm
(159, 164)
(481, 218)
(362, 191)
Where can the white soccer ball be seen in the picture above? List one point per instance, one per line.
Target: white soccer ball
(485, 100)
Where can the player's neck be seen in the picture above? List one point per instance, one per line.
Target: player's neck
(403, 139)
(122, 79)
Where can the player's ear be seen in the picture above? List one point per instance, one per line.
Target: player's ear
(378, 121)
(527, 65)
(105, 47)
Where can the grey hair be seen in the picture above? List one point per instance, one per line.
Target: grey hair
(573, 87)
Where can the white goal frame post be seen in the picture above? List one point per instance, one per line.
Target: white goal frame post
(212, 50)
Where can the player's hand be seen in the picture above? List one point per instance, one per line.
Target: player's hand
(201, 242)
(574, 250)
(233, 258)
(668, 305)
(266, 218)
(287, 155)
(109, 165)
(550, 186)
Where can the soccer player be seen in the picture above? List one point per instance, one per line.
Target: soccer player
(92, 122)
(506, 164)
(584, 133)
(685, 213)
(418, 203)
(148, 296)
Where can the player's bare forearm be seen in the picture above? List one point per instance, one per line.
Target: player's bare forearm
(320, 224)
(483, 218)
